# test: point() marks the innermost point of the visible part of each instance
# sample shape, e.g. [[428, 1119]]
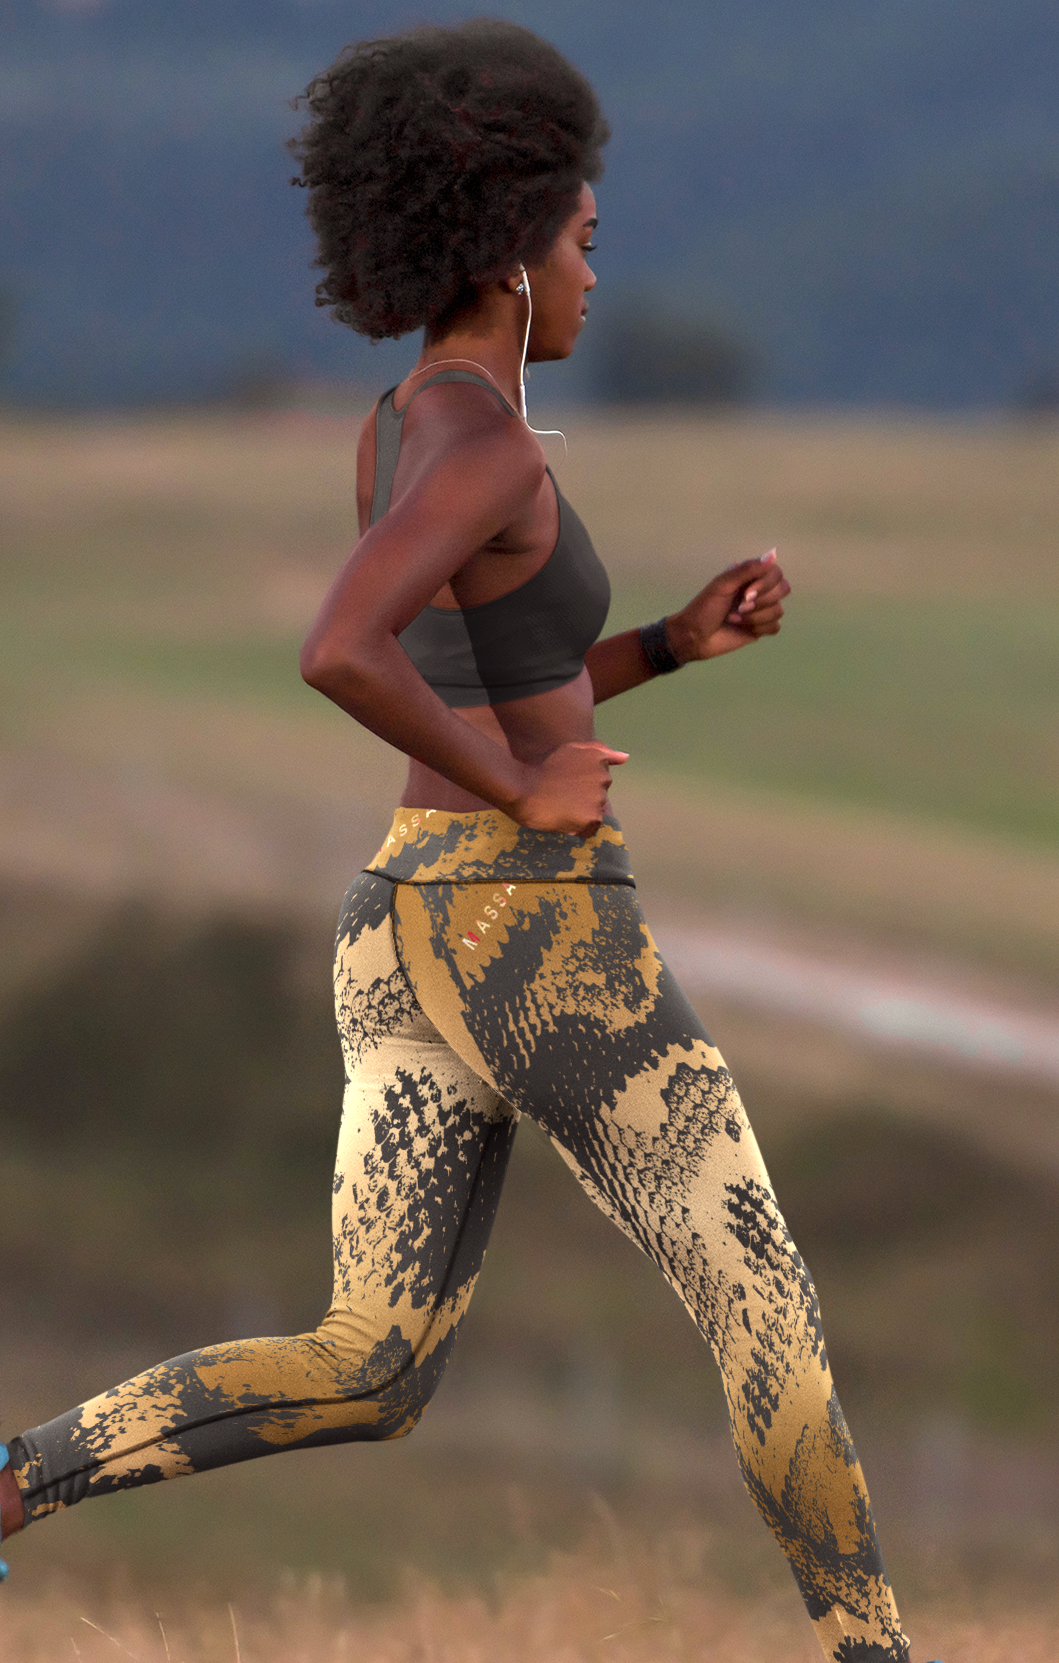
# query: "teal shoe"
[[4, 1461]]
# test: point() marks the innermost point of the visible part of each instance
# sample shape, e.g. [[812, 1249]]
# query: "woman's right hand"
[[567, 792]]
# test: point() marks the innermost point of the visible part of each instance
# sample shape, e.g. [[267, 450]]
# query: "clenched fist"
[[737, 607], [567, 792]]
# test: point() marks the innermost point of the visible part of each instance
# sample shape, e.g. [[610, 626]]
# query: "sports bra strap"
[[389, 424]]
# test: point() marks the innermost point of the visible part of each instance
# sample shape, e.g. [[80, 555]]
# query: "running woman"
[[492, 959]]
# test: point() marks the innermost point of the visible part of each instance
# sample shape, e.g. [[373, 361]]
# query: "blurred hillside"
[[866, 195]]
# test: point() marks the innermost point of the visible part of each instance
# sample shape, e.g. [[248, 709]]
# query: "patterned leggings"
[[481, 970]]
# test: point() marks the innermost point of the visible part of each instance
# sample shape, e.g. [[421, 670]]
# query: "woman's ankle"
[[12, 1512]]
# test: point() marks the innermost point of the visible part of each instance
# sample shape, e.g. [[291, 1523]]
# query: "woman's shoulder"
[[467, 416], [452, 400], [459, 427]]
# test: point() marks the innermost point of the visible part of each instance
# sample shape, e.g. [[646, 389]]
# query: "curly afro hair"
[[437, 160]]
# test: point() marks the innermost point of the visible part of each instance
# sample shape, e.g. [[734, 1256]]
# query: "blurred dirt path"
[[896, 1007]]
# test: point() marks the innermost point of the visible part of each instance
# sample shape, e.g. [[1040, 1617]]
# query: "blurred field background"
[[180, 818]]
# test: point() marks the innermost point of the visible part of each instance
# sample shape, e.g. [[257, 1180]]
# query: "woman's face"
[[558, 286]]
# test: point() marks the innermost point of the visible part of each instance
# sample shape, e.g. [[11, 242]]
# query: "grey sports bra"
[[530, 640]]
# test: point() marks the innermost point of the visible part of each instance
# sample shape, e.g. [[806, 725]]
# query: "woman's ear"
[[517, 281]]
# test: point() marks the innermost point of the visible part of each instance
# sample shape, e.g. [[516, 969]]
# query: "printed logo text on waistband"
[[497, 900], [414, 822]]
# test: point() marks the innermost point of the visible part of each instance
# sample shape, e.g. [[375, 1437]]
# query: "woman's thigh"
[[564, 1004], [422, 1153]]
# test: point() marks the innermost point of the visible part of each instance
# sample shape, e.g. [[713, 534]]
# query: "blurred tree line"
[[8, 329], [650, 353]]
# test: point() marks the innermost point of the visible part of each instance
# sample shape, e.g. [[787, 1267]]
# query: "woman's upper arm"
[[461, 494]]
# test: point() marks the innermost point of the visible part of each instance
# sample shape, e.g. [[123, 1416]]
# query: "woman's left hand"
[[737, 607]]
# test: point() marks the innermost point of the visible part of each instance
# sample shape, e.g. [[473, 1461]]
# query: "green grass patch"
[[38, 676], [260, 668], [948, 712]]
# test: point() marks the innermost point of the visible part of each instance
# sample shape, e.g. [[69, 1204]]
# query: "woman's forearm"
[[620, 663], [380, 688]]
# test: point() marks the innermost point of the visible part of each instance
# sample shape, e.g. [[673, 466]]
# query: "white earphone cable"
[[541, 432]]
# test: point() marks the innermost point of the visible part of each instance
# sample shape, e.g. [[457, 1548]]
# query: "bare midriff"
[[529, 728]]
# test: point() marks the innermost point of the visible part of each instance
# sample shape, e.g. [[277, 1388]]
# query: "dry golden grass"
[[582, 1610], [553, 1621]]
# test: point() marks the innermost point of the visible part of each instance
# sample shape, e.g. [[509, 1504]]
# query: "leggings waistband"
[[429, 845]]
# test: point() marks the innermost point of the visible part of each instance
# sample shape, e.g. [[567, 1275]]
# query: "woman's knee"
[[398, 1379], [402, 1400]]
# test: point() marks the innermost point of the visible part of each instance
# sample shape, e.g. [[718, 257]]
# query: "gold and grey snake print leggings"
[[483, 970]]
